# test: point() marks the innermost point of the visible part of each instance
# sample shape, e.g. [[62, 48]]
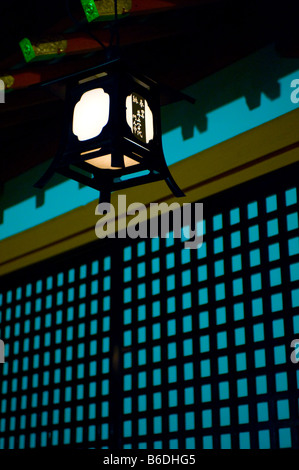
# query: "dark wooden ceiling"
[[177, 42]]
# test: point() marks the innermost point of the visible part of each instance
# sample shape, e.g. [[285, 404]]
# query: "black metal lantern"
[[112, 137]]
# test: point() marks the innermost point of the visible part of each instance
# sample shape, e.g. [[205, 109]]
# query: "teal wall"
[[238, 98]]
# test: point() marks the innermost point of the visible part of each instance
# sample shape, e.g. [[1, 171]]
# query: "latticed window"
[[146, 344]]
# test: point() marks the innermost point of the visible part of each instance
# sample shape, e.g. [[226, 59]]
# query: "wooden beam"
[[132, 33], [154, 6], [79, 44]]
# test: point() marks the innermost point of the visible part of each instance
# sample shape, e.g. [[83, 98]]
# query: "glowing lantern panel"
[[91, 114], [140, 118], [104, 162]]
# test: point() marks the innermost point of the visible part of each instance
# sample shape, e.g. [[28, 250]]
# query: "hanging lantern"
[[112, 137]]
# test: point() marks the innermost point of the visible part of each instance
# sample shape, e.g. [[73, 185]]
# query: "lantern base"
[[109, 183]]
